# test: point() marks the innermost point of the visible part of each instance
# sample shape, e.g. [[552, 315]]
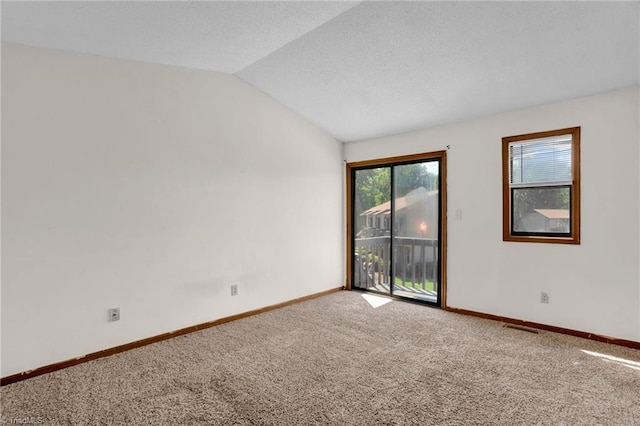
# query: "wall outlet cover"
[[114, 314]]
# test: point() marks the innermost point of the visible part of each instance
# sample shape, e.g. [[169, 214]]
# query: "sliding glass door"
[[396, 228]]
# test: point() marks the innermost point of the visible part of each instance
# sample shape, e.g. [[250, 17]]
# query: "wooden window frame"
[[574, 237]]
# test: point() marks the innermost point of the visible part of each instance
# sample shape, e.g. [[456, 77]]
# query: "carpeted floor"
[[337, 360]]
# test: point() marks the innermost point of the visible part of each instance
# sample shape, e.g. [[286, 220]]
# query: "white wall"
[[593, 287], [152, 188]]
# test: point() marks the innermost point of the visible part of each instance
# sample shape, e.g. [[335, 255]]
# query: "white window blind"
[[540, 162]]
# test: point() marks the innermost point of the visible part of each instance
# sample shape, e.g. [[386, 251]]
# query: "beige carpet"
[[337, 360]]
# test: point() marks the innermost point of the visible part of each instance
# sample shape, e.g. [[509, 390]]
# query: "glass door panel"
[[372, 228], [415, 231]]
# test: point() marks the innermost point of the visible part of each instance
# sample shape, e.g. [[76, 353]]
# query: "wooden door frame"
[[391, 161]]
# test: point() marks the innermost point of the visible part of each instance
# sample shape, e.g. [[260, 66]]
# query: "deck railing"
[[415, 261]]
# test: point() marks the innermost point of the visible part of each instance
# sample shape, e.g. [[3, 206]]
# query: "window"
[[541, 187]]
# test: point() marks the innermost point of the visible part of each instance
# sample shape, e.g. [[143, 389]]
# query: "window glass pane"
[[372, 209], [372, 201], [540, 160], [416, 230], [542, 210]]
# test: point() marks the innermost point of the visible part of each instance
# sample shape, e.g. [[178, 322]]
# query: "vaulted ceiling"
[[363, 69]]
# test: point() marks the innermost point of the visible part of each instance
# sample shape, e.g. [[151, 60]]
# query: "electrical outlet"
[[544, 297], [114, 314], [234, 289]]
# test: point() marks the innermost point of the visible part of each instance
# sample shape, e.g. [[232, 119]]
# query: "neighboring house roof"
[[554, 213], [382, 208], [412, 197]]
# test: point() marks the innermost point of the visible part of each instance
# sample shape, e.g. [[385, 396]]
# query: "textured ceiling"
[[362, 70], [220, 36]]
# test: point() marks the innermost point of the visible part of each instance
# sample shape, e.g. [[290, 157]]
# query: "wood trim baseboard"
[[149, 340], [561, 330]]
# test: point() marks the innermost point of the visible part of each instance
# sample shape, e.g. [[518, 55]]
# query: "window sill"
[[548, 240]]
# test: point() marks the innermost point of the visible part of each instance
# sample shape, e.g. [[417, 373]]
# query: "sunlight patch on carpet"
[[376, 301], [622, 361]]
